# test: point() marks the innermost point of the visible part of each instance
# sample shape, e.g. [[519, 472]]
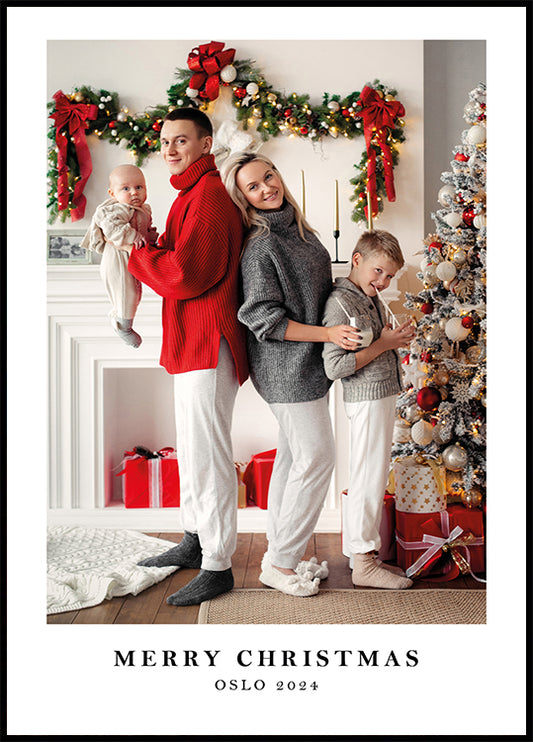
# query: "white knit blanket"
[[88, 565]]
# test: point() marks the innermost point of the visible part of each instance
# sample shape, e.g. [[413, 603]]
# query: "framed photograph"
[[64, 247]]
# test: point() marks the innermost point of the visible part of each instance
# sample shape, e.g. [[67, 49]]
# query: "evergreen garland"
[[273, 113]]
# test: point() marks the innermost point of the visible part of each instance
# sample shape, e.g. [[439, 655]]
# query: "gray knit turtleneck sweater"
[[284, 278]]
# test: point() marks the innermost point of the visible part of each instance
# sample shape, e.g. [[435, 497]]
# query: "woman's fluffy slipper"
[[288, 584], [311, 569]]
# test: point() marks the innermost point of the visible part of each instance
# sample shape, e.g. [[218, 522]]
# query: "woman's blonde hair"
[[254, 222]]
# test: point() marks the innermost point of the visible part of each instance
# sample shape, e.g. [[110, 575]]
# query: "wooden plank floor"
[[150, 607]]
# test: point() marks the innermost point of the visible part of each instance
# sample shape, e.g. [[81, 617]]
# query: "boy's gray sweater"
[[378, 379], [284, 278]]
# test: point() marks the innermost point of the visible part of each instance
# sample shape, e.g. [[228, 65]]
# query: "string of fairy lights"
[[257, 104]]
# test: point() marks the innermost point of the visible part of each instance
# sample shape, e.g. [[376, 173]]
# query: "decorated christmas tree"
[[442, 410]]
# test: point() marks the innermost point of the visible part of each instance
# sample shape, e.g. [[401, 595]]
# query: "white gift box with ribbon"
[[418, 487]]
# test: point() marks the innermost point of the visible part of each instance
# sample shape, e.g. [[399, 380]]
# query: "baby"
[[123, 219]]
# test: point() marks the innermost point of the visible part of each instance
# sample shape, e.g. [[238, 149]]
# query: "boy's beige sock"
[[391, 567], [368, 573]]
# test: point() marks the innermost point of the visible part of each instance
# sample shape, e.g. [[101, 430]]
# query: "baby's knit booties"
[[124, 329], [368, 573]]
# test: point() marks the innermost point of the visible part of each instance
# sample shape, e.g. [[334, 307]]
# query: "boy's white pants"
[[123, 289], [204, 402], [371, 429], [300, 478]]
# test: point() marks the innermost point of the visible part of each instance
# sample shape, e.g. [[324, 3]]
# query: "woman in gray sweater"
[[286, 280]]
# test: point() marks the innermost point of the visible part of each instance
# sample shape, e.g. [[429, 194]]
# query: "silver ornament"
[[454, 457]]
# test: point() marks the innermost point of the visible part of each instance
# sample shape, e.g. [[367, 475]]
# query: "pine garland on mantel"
[[257, 103]]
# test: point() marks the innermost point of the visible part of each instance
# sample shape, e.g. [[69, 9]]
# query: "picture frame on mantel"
[[63, 247]]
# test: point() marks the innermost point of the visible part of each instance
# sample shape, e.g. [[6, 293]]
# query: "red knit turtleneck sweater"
[[195, 269]]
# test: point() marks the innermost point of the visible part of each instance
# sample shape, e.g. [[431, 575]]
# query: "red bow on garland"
[[206, 61], [75, 115], [377, 114]]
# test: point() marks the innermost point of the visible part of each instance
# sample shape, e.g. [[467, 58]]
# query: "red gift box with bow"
[[257, 478], [447, 543], [151, 480]]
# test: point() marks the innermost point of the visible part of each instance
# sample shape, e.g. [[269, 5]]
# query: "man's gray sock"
[[125, 331], [188, 553], [206, 585]]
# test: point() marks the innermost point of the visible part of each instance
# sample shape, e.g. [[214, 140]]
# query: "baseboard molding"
[[249, 520]]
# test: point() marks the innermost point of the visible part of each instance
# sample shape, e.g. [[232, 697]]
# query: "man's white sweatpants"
[[300, 478], [204, 402], [371, 428]]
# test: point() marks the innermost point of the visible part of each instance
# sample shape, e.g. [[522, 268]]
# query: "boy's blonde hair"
[[379, 241], [252, 219]]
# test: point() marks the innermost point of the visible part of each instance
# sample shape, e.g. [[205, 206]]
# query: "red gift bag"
[[257, 478]]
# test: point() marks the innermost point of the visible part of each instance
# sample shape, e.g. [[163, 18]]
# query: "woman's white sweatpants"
[[204, 402], [300, 478], [371, 429]]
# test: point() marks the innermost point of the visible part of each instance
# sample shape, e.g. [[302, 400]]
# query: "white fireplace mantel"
[[82, 348]]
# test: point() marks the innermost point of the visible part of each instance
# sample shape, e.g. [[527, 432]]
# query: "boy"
[[371, 380], [123, 219], [195, 269]]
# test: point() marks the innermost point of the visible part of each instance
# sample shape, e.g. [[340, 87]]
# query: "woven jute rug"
[[265, 606]]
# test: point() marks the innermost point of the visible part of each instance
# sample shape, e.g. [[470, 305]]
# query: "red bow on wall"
[[74, 117], [206, 61], [378, 114]]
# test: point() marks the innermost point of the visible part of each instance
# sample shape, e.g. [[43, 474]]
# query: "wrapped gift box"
[[387, 529], [151, 482], [425, 542], [257, 478], [418, 487]]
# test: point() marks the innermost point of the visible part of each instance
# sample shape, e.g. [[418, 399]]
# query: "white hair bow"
[[230, 138]]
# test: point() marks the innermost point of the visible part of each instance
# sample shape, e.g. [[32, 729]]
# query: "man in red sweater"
[[194, 268]]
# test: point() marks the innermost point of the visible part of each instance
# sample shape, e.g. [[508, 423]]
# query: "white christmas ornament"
[[455, 330], [228, 73], [453, 219], [333, 106], [430, 275], [446, 271], [446, 193], [252, 88], [480, 221], [422, 433], [191, 92], [476, 135]]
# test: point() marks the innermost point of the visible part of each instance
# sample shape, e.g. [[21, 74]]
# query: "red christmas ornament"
[[428, 398], [304, 130], [425, 356], [156, 126], [436, 245], [112, 124], [287, 113], [461, 158], [468, 217], [467, 322], [345, 112], [406, 358], [240, 92], [427, 307], [482, 117]]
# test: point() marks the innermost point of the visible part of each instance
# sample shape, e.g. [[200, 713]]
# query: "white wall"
[[142, 71]]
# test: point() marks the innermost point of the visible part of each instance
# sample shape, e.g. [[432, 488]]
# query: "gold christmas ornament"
[[472, 498], [454, 457], [459, 257], [441, 377], [422, 433]]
